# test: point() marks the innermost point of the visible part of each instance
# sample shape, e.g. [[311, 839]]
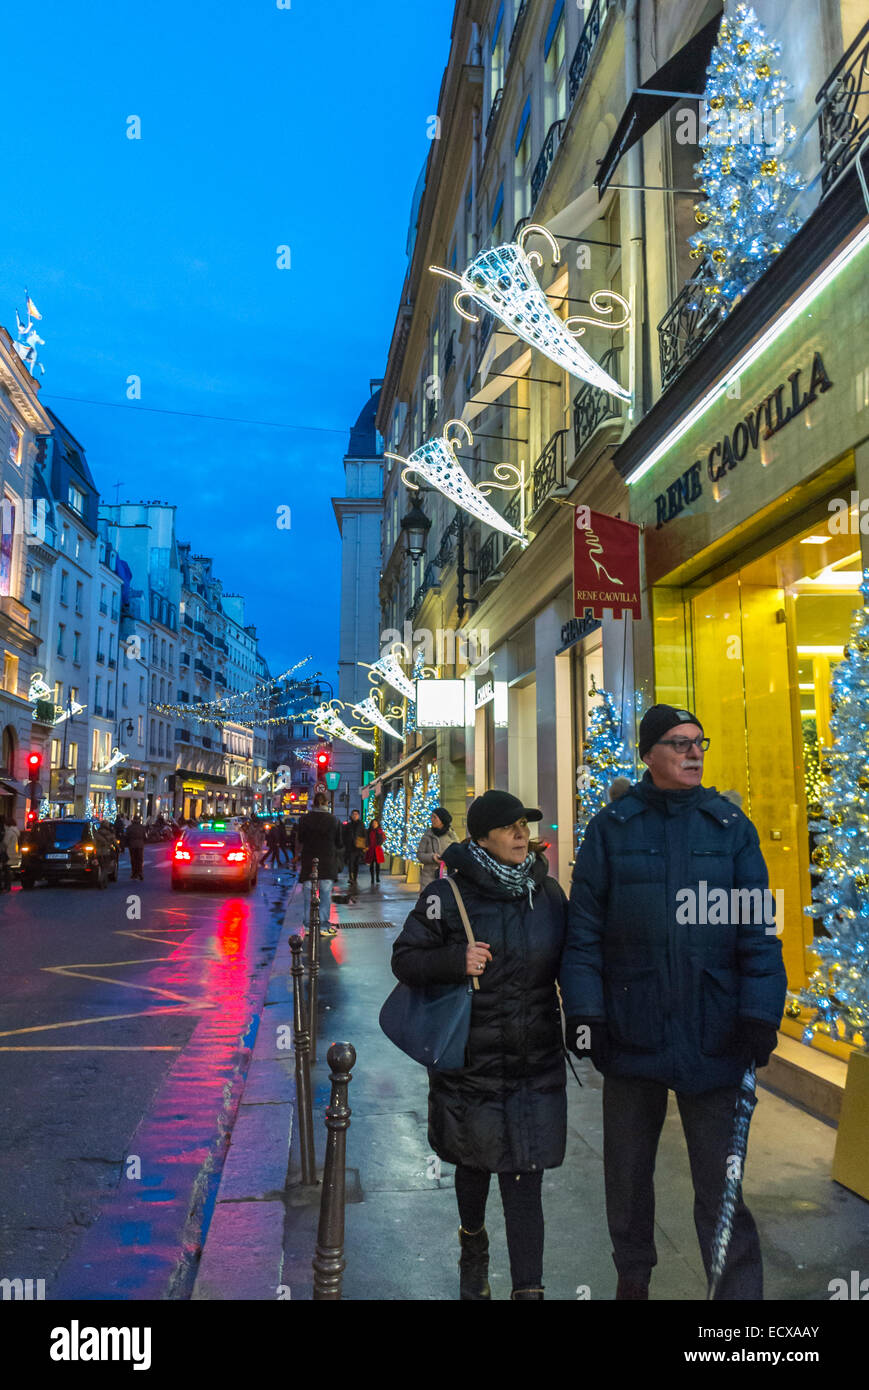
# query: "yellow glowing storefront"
[[754, 558]]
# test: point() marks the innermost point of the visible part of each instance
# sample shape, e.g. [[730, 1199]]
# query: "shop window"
[[753, 655], [10, 673]]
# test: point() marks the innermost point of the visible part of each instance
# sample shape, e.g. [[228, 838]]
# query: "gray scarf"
[[516, 879]]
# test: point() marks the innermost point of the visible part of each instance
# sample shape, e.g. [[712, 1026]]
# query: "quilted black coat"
[[506, 1110]]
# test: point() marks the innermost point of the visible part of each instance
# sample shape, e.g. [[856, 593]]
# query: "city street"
[[126, 1026]]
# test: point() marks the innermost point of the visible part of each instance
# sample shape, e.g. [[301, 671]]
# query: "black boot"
[[526, 1293], [632, 1290], [474, 1266]]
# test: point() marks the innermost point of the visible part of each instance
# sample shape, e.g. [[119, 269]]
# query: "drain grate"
[[350, 925]]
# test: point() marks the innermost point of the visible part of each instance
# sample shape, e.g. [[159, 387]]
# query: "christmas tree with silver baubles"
[[745, 178], [836, 1000], [392, 822], [605, 759]]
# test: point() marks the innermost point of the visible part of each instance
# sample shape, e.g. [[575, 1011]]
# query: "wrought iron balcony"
[[518, 26], [843, 117], [548, 474], [495, 112], [686, 326], [544, 163], [592, 406], [182, 735], [445, 552], [431, 414], [450, 354], [584, 49], [489, 557], [431, 580], [202, 670], [523, 222]]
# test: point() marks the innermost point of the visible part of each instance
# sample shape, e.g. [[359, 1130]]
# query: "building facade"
[[743, 436]]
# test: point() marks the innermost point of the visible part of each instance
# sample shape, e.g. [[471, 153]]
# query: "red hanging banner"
[[606, 565]]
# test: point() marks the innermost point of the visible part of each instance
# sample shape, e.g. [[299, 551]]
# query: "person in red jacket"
[[374, 853]]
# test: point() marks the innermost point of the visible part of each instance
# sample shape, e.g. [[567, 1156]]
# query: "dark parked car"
[[64, 849]]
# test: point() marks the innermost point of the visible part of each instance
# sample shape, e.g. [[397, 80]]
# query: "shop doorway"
[[753, 655]]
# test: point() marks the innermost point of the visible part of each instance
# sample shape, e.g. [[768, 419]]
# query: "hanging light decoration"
[[326, 718], [436, 461], [389, 668], [368, 709], [502, 280]]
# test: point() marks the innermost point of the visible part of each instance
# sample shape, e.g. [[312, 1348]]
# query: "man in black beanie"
[[662, 999]]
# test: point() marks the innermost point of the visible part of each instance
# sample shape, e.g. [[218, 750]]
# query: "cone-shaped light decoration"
[[324, 717], [436, 461], [503, 281], [368, 710], [390, 669]]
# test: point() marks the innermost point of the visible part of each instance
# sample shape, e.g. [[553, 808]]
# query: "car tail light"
[[236, 856], [81, 848], [183, 854]]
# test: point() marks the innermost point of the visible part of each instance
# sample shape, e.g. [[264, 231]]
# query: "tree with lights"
[[417, 820], [392, 822], [836, 1000], [745, 179], [606, 758]]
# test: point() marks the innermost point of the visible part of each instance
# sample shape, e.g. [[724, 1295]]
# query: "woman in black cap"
[[505, 1111], [432, 844]]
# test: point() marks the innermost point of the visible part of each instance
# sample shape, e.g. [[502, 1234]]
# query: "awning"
[[407, 762], [682, 77], [9, 789]]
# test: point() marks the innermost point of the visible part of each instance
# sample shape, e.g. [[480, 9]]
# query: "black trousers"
[[522, 1199], [354, 859], [375, 871], [137, 860], [633, 1116]]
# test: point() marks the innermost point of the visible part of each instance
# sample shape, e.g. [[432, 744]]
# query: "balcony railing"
[[182, 735], [450, 355], [584, 49], [202, 670], [685, 327], [206, 741], [431, 414], [548, 473], [592, 406], [430, 581], [544, 163], [489, 557], [843, 117], [495, 112], [523, 222], [518, 26]]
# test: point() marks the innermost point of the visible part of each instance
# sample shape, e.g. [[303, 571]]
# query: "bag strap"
[[463, 913]]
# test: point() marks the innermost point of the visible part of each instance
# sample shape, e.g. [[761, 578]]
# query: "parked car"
[[68, 849], [218, 856]]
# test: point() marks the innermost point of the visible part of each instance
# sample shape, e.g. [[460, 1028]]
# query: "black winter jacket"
[[670, 989], [319, 837], [506, 1110]]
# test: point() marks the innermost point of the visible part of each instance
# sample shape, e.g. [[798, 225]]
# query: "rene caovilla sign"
[[777, 409]]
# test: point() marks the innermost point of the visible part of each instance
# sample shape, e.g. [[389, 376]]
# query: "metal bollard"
[[329, 1263], [314, 957], [301, 1042]]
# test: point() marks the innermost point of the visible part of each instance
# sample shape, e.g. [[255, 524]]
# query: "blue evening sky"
[[261, 127]]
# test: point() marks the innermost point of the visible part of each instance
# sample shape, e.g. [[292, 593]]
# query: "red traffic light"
[[31, 817], [34, 763], [322, 759]]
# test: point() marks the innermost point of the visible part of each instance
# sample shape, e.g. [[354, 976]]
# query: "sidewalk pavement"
[[401, 1219]]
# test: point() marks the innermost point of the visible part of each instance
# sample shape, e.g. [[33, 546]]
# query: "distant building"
[[360, 517]]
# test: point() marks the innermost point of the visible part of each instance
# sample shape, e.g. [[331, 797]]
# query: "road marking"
[[94, 1047], [76, 972], [105, 1018]]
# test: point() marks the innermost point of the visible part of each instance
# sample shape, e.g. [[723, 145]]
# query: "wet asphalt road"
[[126, 1022]]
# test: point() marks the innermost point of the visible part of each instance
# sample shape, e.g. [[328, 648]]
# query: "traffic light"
[[322, 763], [31, 817], [34, 763]]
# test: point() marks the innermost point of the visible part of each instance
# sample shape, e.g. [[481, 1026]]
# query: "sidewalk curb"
[[243, 1254]]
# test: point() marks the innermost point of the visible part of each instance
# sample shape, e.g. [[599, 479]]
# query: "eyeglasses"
[[684, 745]]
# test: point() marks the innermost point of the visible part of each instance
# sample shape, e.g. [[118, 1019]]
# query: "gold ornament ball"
[[744, 104], [835, 817], [862, 645], [821, 857], [735, 205], [701, 217], [696, 254], [743, 49], [793, 1009], [716, 103], [863, 783], [815, 809], [861, 882], [721, 67], [769, 168], [719, 256], [762, 70]]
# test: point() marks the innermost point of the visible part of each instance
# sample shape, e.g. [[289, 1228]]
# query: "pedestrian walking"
[[119, 828], [355, 844], [11, 852], [134, 838], [273, 843], [505, 1111], [284, 843], [433, 843], [374, 856], [320, 838], [660, 1001]]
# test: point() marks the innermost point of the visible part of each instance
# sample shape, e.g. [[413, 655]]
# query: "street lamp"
[[416, 526], [129, 723]]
